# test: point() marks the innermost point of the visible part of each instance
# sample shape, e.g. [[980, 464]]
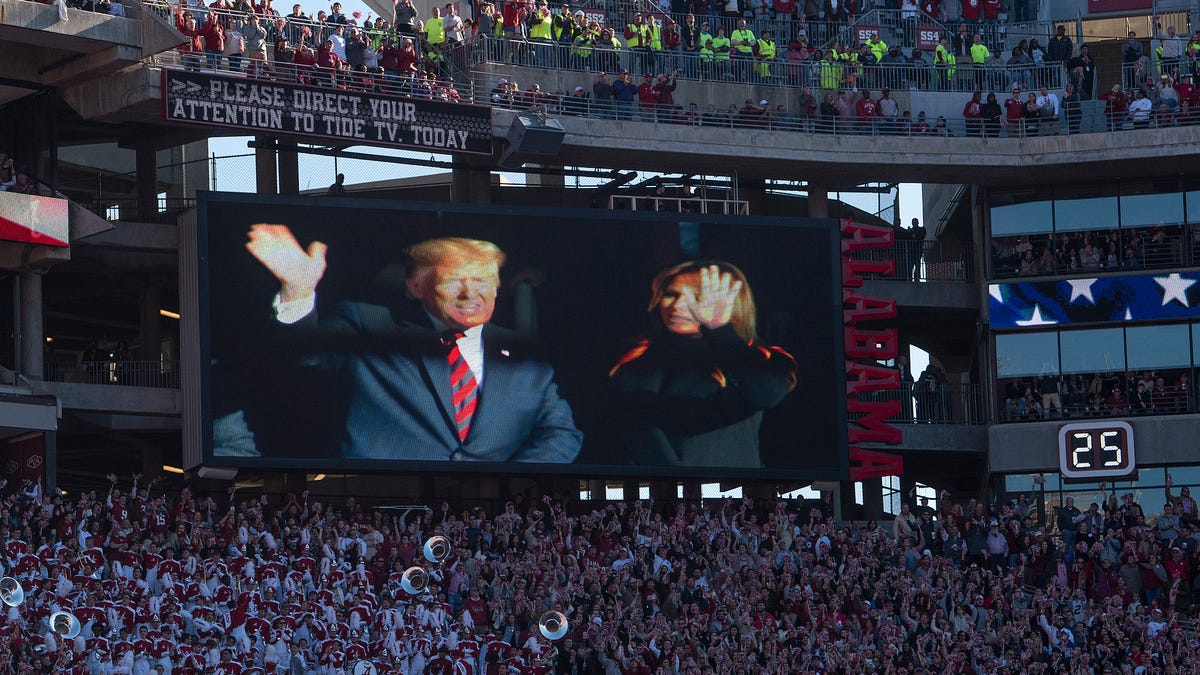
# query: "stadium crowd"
[[1097, 395], [828, 90], [193, 584]]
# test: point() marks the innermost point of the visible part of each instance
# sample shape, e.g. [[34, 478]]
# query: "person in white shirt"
[[338, 39], [452, 24], [1048, 107], [1140, 109]]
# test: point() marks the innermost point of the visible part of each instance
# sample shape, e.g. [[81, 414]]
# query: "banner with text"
[[337, 115]]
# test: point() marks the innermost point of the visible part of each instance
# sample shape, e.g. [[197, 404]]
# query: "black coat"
[[699, 401]]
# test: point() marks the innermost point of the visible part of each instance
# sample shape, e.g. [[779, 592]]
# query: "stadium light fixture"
[[169, 314]]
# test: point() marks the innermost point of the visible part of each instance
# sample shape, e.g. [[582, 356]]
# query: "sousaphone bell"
[[11, 592], [415, 580], [65, 625], [437, 549], [553, 625]]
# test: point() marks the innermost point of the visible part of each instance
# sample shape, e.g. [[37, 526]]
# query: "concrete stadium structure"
[[82, 108]]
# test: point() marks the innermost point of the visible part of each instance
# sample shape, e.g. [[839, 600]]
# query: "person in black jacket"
[[693, 393], [991, 116]]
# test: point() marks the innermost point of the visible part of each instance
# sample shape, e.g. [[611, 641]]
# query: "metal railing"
[[555, 100], [157, 374], [777, 72], [926, 261], [432, 86], [926, 403], [1020, 400], [678, 204]]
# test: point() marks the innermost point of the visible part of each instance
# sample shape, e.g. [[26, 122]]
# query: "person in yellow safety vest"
[[850, 68], [633, 32], [945, 60], [764, 54], [649, 43], [979, 56], [720, 47], [582, 49], [562, 27], [655, 33], [435, 32], [706, 56], [829, 70], [743, 41], [540, 22], [878, 47]]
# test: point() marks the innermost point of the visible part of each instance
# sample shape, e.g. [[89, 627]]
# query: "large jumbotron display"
[[368, 335]]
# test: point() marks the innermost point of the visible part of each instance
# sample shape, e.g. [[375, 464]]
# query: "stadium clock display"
[[1096, 449]]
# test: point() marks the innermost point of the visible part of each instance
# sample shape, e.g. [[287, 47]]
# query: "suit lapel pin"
[[505, 353]]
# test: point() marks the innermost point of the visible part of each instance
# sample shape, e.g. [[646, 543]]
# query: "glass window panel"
[[1020, 354], [1151, 209], [1095, 214], [1193, 206], [1085, 498], [1100, 350], [1151, 501], [1020, 214], [1196, 341], [1154, 347]]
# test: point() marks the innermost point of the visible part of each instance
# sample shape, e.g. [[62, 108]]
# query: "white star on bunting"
[[1081, 288], [1037, 319], [1175, 287]]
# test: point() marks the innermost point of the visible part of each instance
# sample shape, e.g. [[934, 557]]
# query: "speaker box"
[[534, 134]]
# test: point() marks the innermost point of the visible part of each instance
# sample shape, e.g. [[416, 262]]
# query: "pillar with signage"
[[866, 347]]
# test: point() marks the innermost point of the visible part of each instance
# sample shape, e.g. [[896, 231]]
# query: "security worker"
[[562, 27], [720, 47], [743, 41], [764, 54], [945, 60], [979, 56]]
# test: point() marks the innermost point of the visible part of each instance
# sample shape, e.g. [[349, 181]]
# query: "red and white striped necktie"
[[463, 388]]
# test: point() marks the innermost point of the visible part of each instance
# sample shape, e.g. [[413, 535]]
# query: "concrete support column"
[[818, 200], [152, 463], [146, 168], [872, 498], [289, 168], [265, 168], [845, 506], [760, 491], [553, 180], [664, 491], [151, 322], [691, 489], [754, 193], [32, 328], [631, 490], [471, 181], [596, 487], [460, 180]]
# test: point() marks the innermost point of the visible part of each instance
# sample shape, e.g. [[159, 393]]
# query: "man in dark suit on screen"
[[438, 383]]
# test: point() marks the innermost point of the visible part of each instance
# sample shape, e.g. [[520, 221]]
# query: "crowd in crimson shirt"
[[189, 583]]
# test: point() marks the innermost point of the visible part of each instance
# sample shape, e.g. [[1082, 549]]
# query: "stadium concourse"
[[194, 583]]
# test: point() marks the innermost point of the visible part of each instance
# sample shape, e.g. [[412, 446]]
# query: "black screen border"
[[835, 360]]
